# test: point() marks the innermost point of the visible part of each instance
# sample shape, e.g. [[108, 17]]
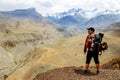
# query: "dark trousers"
[[93, 54]]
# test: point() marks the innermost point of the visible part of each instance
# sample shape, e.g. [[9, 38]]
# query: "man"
[[92, 50]]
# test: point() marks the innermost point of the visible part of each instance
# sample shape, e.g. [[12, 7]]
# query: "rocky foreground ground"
[[76, 73]]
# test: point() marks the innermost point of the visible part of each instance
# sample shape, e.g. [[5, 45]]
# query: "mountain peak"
[[29, 9], [29, 13], [75, 10], [95, 10], [32, 8]]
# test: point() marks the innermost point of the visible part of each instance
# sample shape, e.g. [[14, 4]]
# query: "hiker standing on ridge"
[[92, 50]]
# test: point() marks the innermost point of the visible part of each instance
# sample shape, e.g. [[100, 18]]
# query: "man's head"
[[91, 30]]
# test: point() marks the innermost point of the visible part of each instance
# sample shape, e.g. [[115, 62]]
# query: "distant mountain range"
[[84, 13], [29, 13], [114, 27], [34, 19], [74, 17], [83, 18]]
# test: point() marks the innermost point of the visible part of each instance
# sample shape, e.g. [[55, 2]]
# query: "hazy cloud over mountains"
[[53, 6]]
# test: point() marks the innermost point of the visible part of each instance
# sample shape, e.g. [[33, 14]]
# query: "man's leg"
[[88, 59], [97, 67], [86, 66], [96, 59]]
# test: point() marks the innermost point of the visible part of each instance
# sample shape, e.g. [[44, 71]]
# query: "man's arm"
[[86, 45]]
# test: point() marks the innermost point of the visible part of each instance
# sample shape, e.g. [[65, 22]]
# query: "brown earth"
[[76, 73], [65, 52], [113, 64], [29, 48]]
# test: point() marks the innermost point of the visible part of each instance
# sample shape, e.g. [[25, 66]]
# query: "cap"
[[91, 28]]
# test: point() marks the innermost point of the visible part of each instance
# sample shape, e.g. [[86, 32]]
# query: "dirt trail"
[[77, 73]]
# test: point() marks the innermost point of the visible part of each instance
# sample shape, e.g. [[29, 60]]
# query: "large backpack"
[[98, 40]]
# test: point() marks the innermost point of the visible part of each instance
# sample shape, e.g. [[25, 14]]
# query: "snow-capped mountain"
[[70, 12], [84, 13], [80, 17], [30, 13], [73, 17], [103, 20]]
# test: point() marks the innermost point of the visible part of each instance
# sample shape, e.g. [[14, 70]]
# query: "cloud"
[[53, 6], [14, 4]]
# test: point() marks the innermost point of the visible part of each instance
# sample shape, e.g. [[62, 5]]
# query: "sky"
[[54, 6]]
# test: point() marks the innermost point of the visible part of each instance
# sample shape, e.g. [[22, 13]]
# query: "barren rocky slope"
[[65, 52], [19, 40], [30, 47]]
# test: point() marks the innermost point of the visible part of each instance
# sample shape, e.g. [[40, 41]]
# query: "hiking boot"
[[97, 72], [86, 71]]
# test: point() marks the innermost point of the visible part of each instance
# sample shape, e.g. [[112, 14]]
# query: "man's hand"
[[84, 52]]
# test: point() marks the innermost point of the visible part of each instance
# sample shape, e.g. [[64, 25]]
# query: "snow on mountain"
[[117, 11], [85, 13], [103, 20], [80, 17], [70, 12], [73, 17]]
